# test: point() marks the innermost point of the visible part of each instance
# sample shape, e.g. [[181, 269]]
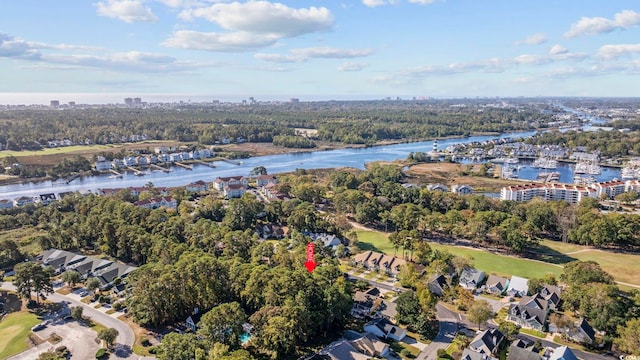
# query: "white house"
[[385, 329], [198, 186], [23, 200], [166, 201], [220, 182], [518, 286], [461, 189], [103, 165]]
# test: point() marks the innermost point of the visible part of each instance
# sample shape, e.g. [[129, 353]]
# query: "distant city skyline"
[[321, 50]]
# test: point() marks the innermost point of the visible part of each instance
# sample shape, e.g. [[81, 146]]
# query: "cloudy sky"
[[322, 49]]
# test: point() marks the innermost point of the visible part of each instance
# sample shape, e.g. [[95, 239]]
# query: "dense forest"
[[346, 122]]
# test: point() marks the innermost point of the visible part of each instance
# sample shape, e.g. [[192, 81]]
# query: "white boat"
[[594, 169], [581, 168], [628, 173]]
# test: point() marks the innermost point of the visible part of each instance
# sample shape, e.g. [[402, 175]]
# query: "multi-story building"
[[549, 191]]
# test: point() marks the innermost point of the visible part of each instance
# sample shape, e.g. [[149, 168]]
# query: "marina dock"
[[156, 167], [136, 172], [209, 164], [188, 167]]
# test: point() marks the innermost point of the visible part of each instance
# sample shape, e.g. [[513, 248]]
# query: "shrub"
[[101, 353], [117, 306], [145, 342]]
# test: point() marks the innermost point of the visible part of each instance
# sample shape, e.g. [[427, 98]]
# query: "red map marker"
[[310, 264]]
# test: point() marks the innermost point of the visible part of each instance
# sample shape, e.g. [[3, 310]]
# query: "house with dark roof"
[[496, 285], [385, 329], [363, 302], [328, 240], [270, 231], [437, 284], [471, 278], [551, 294], [6, 204], [193, 319], [368, 344], [520, 353], [468, 354], [344, 350], [582, 333], [487, 342], [46, 199], [376, 261], [529, 317]]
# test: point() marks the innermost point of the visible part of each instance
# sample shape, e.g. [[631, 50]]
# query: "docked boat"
[[581, 168], [628, 173]]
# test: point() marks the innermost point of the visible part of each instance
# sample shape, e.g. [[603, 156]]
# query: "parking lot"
[[74, 336]]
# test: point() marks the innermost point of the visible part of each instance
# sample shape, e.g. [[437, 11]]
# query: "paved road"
[[448, 329], [125, 339]]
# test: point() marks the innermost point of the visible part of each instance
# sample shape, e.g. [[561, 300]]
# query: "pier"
[[209, 164], [73, 178], [156, 167], [234, 162], [188, 167], [136, 172], [115, 174]]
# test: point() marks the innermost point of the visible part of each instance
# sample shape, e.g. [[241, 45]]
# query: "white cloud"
[[422, 2], [237, 41], [609, 52], [352, 66], [303, 54], [527, 59], [265, 18], [598, 25], [535, 39], [376, 3], [128, 11], [558, 50]]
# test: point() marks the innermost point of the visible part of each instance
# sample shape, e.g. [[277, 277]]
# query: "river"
[[352, 157]]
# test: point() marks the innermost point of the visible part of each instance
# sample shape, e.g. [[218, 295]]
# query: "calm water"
[[356, 158]]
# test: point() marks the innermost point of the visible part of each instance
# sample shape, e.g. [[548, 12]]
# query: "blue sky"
[[321, 49]]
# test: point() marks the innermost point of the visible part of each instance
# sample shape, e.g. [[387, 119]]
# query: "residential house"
[[385, 329], [263, 180], [376, 261], [193, 320], [108, 275], [526, 316], [117, 164], [344, 350], [496, 285], [220, 182], [562, 353], [6, 204], [520, 353], [367, 343], [437, 187], [437, 284], [103, 165], [582, 333], [518, 286], [329, 240], [468, 354], [271, 192], [487, 342], [46, 199], [155, 203], [232, 191], [270, 231], [460, 189], [23, 200], [471, 278], [363, 302], [198, 186], [551, 294]]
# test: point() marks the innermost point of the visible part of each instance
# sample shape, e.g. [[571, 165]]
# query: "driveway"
[[448, 329]]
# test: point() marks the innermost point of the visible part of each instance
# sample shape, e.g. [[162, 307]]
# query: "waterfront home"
[[198, 186], [103, 165], [437, 187], [46, 199], [155, 203], [460, 189], [263, 180], [234, 191], [220, 182], [23, 200], [6, 204]]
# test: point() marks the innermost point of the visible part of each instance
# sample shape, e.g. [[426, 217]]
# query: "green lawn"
[[375, 241], [623, 267], [14, 330], [501, 264]]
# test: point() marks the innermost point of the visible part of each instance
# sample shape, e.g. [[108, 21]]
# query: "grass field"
[[14, 330], [483, 260], [53, 151], [623, 267]]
